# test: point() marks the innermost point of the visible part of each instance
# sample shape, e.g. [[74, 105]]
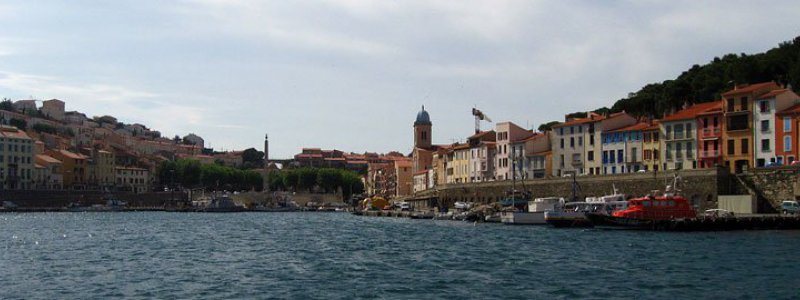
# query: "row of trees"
[[191, 173], [706, 83], [326, 180]]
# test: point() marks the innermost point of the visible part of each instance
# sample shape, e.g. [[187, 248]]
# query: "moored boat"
[[646, 211], [535, 212]]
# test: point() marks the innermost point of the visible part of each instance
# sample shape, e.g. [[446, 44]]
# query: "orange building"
[[738, 119], [786, 137]]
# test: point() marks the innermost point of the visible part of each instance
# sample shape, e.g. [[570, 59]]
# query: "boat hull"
[[523, 218], [567, 219], [620, 222]]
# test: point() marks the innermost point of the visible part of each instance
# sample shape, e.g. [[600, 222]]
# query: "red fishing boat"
[[646, 211]]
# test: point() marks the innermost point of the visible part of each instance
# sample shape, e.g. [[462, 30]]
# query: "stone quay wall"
[[58, 199], [771, 186], [701, 187]]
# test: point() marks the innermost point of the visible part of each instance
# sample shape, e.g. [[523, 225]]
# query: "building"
[[100, 168], [74, 168], [191, 138], [537, 163], [53, 109], [510, 149], [709, 136], [679, 142], [50, 175], [16, 159], [131, 179], [25, 107], [764, 123], [623, 149], [422, 154], [786, 134], [458, 164], [738, 124], [569, 152], [482, 156]]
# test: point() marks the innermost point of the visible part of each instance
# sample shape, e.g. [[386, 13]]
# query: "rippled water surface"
[[337, 255]]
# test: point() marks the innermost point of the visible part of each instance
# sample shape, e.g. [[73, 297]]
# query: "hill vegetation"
[[706, 83]]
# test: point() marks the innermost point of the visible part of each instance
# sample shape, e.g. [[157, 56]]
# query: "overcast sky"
[[353, 74]]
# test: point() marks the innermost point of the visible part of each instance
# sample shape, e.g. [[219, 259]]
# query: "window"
[[731, 146], [678, 150], [743, 103], [787, 143], [689, 150], [745, 145], [605, 157], [580, 140], [678, 131], [562, 143], [730, 104], [611, 157], [688, 130], [668, 133], [647, 137], [787, 124], [764, 125], [763, 106], [669, 152], [655, 136], [765, 145], [571, 129], [620, 156], [572, 142], [591, 139], [580, 129], [633, 155], [561, 131], [590, 156]]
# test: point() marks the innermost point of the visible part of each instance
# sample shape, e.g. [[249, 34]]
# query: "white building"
[[764, 123], [132, 179]]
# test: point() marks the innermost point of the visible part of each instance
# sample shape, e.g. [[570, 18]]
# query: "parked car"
[[790, 207], [718, 213], [773, 164]]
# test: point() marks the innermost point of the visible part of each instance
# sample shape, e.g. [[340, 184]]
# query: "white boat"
[[535, 213], [574, 213]]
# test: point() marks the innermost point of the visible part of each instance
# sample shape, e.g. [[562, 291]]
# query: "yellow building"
[[651, 147], [100, 170], [132, 179], [73, 168], [16, 159], [460, 163]]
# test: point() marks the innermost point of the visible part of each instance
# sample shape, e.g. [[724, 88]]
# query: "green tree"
[[7, 105], [329, 179]]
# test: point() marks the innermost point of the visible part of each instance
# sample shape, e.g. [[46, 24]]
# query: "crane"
[[479, 116]]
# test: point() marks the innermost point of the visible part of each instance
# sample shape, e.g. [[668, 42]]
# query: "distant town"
[[752, 126]]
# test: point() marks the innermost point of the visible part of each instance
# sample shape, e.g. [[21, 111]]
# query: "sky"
[[352, 74]]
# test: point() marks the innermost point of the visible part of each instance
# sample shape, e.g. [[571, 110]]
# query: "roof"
[[480, 134], [715, 109], [791, 110], [423, 118], [690, 112], [529, 134], [656, 125], [13, 132], [773, 94], [635, 127], [47, 159], [71, 155], [460, 147], [746, 89], [402, 163]]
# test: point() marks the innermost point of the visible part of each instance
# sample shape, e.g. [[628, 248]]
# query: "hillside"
[[705, 83]]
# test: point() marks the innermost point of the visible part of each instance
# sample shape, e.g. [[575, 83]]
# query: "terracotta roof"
[[578, 121], [529, 134], [335, 158], [402, 163], [635, 127], [536, 136], [773, 94], [460, 147], [655, 126], [47, 158], [13, 132], [690, 112], [71, 155], [358, 162], [791, 110], [715, 109], [746, 89], [480, 134]]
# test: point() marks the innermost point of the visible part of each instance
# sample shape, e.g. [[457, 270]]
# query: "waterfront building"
[[567, 144], [53, 109], [404, 177], [764, 123], [482, 156], [738, 119], [709, 136], [440, 165], [423, 180], [132, 179], [538, 156], [459, 164], [509, 148], [100, 168], [679, 142], [73, 168], [786, 134], [16, 159], [623, 149], [50, 175]]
